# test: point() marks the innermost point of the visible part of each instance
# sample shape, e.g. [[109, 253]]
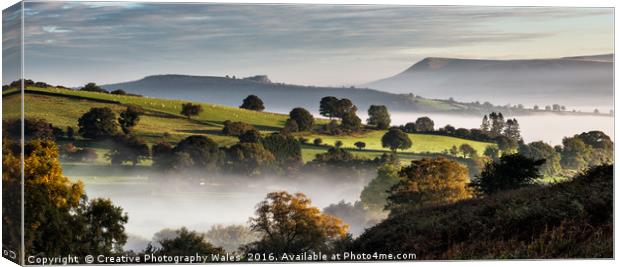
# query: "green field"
[[162, 122], [420, 142]]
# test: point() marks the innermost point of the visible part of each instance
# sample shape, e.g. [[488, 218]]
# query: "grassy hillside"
[[420, 142], [162, 121], [563, 220]]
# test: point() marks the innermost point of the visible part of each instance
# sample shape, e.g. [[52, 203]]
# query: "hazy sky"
[[72, 43]]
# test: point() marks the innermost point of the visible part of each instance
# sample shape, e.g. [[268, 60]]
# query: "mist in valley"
[[550, 128], [154, 204]]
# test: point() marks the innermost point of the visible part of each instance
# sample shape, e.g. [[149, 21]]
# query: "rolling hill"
[[278, 97], [162, 121], [577, 82]]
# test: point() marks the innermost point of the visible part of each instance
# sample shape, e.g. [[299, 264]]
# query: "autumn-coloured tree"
[[59, 220], [288, 223], [429, 181]]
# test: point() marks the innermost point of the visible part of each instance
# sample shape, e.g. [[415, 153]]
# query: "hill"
[[560, 221], [583, 81], [278, 97], [162, 121]]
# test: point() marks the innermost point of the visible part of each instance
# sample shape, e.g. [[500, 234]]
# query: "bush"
[[118, 92], [317, 141], [236, 128], [563, 220]]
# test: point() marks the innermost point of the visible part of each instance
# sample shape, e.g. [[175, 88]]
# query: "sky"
[[72, 43]]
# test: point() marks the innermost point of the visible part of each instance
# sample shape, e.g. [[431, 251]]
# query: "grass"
[[162, 122], [420, 142]]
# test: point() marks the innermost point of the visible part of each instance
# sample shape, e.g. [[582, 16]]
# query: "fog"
[[550, 128], [153, 205]]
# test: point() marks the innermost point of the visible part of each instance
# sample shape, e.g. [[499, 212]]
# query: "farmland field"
[[162, 122]]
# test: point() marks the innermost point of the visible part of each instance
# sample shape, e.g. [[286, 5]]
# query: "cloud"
[[217, 34], [54, 29]]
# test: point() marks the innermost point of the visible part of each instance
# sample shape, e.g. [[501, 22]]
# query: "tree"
[[497, 123], [374, 195], [317, 141], [467, 150], [342, 107], [429, 181], [505, 144], [285, 148], [203, 151], [351, 122], [485, 126], [162, 154], [424, 124], [98, 123], [601, 145], [33, 129], [103, 226], [253, 102], [327, 106], [379, 117], [454, 151], [492, 152], [511, 129], [129, 118], [395, 139], [289, 223], [186, 243], [409, 127], [230, 237], [251, 159], [360, 145], [93, 87], [597, 139], [251, 136], [128, 148], [303, 118], [59, 219], [189, 110], [236, 128], [290, 126], [338, 144], [536, 107], [575, 153], [510, 172], [540, 150]]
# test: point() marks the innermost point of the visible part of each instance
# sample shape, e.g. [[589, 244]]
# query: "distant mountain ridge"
[[277, 96], [571, 81]]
